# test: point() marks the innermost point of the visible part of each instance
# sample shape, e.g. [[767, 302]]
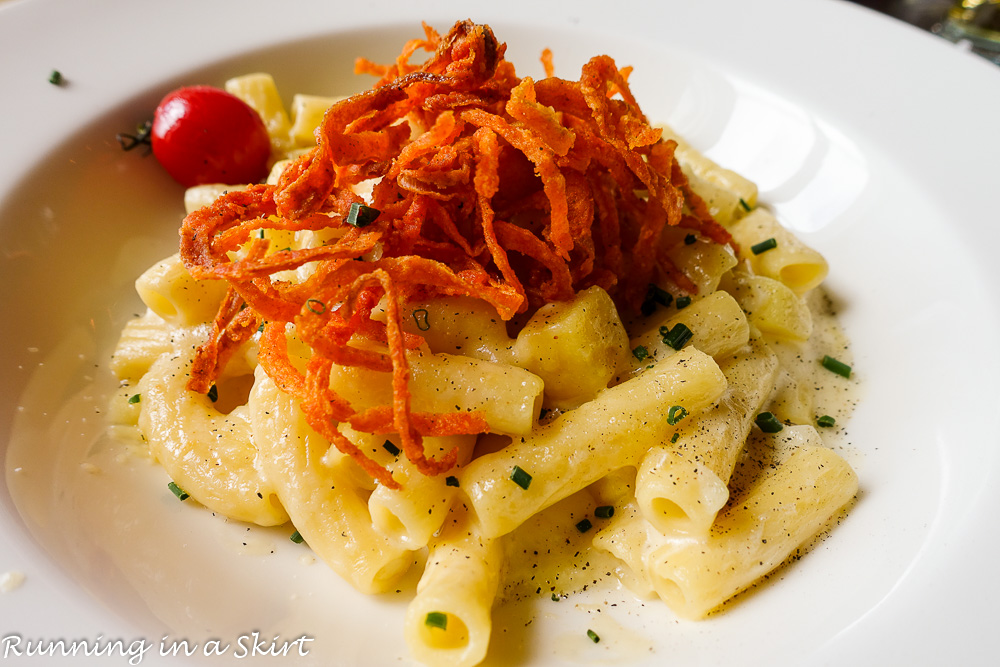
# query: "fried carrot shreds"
[[234, 325], [548, 63], [402, 64], [506, 189]]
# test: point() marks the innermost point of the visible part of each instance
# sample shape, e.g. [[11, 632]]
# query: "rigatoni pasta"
[[210, 454], [465, 300], [601, 436], [320, 492], [449, 621], [683, 483], [755, 535], [789, 261]]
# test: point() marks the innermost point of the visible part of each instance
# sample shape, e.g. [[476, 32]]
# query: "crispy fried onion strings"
[[514, 191]]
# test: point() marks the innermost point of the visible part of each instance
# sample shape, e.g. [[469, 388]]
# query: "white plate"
[[870, 138]]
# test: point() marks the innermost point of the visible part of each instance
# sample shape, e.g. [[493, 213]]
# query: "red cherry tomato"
[[205, 135]]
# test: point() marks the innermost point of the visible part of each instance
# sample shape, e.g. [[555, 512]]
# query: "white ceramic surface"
[[868, 137]]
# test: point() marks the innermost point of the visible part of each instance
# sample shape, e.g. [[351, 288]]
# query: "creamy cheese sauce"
[[97, 501]]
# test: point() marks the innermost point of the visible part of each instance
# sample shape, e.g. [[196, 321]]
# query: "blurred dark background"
[[925, 14], [976, 28]]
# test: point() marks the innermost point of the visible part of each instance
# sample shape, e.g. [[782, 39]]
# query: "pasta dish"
[[466, 302]]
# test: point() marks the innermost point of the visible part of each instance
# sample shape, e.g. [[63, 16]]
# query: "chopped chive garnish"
[[391, 448], [640, 352], [555, 598], [746, 206], [260, 329], [451, 480], [604, 512], [178, 491], [260, 233], [660, 295], [520, 477], [593, 636], [676, 337], [768, 423], [316, 306], [763, 246], [213, 393], [689, 239], [361, 215], [56, 78], [674, 437], [584, 525], [655, 295], [675, 414], [420, 317], [297, 537], [436, 619], [826, 421], [838, 367], [135, 398], [683, 302]]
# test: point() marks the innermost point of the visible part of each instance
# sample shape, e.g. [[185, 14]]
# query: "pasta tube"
[[145, 339], [328, 509], [721, 189], [703, 263], [755, 535], [581, 446], [207, 453], [169, 291], [629, 537], [771, 306], [412, 514], [790, 260], [718, 328], [448, 623], [575, 346], [508, 397], [460, 325], [681, 486]]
